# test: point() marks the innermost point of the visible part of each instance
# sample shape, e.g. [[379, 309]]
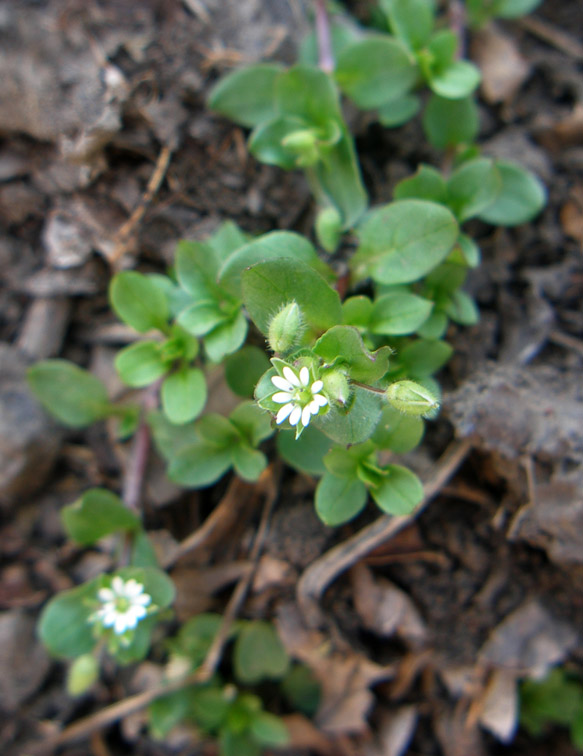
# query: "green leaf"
[[184, 395], [259, 654], [398, 432], [197, 267], [375, 71], [343, 345], [307, 93], [411, 20], [270, 285], [143, 552], [473, 187], [342, 33], [226, 338], [521, 198], [269, 730], [247, 96], [456, 80], [426, 184], [168, 711], [227, 239], [470, 250], [400, 491], [356, 423], [244, 368], [141, 364], [238, 744], [339, 500], [155, 581], [170, 439], [448, 123], [271, 246], [200, 464], [201, 317], [422, 358], [302, 689], [397, 112], [399, 314], [462, 309], [248, 463], [515, 8], [343, 463], [252, 422], [356, 311], [64, 626], [266, 142], [139, 302], [73, 395], [401, 242], [82, 674], [209, 706], [328, 228], [96, 514], [434, 327], [306, 452]]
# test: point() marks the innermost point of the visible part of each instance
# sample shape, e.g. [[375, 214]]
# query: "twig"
[[553, 36], [325, 56], [136, 471], [219, 522], [457, 23], [123, 235], [563, 339], [213, 657], [328, 567]]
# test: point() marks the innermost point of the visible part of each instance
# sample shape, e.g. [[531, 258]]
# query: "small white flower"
[[300, 400], [123, 605]]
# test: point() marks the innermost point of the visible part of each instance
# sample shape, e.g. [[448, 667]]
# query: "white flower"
[[300, 399], [124, 605]]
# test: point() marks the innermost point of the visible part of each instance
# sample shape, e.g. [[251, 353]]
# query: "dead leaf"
[[567, 132], [196, 587], [529, 641], [303, 734], [455, 737], [23, 660], [499, 705], [345, 677], [394, 732], [504, 69], [572, 214], [271, 573], [385, 609]]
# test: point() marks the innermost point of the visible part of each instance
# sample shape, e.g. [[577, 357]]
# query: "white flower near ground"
[[124, 605], [299, 398]]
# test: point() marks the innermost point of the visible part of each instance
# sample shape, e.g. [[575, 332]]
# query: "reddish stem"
[[325, 57], [135, 474]]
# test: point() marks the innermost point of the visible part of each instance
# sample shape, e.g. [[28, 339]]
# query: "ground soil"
[[95, 99]]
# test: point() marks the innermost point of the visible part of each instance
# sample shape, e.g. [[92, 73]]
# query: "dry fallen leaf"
[[395, 730], [572, 214], [499, 705], [385, 609], [504, 69]]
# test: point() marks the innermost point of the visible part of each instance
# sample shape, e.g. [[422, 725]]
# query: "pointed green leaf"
[[448, 123], [473, 187], [141, 364], [226, 337], [520, 199], [426, 184], [411, 20], [308, 93], [73, 395], [399, 314]]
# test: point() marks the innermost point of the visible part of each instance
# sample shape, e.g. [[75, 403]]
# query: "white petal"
[[281, 383], [314, 408], [306, 415], [320, 400], [105, 594], [133, 588], [117, 585], [304, 376], [110, 618], [121, 624], [295, 415], [317, 386], [281, 397], [284, 413], [143, 600], [291, 376], [138, 612]]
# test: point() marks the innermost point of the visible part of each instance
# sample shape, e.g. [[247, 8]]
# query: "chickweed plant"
[[344, 381]]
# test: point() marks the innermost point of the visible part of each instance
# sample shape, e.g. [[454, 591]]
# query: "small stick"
[[325, 57], [136, 471], [557, 38], [328, 567], [123, 235]]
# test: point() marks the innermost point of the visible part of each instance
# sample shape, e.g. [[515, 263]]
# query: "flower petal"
[[281, 383], [306, 415], [120, 625], [291, 376], [317, 386], [320, 400], [117, 585], [295, 415], [304, 376], [281, 397], [105, 594], [284, 413]]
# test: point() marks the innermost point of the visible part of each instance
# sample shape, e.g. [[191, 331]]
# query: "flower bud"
[[329, 228], [336, 387], [82, 674], [304, 143], [286, 328], [411, 398]]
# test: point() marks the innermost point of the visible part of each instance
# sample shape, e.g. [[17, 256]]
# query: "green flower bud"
[[329, 228], [82, 674], [304, 143], [286, 328], [411, 398], [336, 386]]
